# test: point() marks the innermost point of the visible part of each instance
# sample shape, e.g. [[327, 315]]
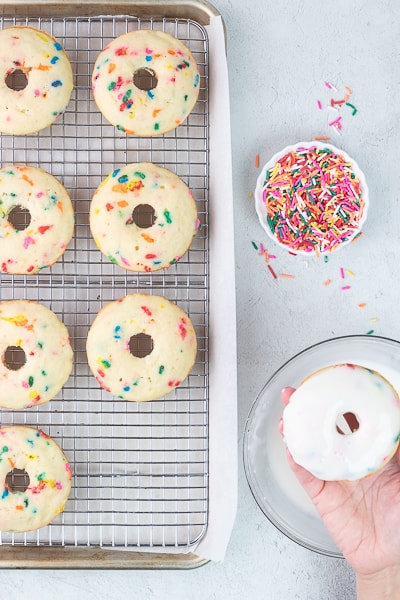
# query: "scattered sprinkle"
[[337, 123], [327, 282], [354, 110], [322, 138], [357, 236], [254, 246], [286, 275], [346, 287], [342, 272], [349, 273], [257, 161], [250, 194], [373, 319], [337, 104], [362, 305], [272, 272], [370, 332]]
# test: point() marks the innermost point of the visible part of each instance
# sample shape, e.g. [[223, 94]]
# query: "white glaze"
[[309, 422]]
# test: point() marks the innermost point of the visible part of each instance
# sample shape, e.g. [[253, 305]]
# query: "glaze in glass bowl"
[[272, 483]]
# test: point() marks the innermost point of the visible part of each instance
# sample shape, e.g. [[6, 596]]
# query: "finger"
[[286, 393]]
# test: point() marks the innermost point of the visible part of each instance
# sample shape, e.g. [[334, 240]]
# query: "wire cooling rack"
[[140, 469]]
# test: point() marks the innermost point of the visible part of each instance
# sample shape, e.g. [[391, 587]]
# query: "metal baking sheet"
[[140, 469]]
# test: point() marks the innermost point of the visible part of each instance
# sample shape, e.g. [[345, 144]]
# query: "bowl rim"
[[260, 205]]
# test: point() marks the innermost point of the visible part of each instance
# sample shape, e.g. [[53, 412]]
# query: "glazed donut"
[[36, 219], [36, 479], [36, 356], [115, 217], [342, 422], [39, 57], [141, 107], [141, 347]]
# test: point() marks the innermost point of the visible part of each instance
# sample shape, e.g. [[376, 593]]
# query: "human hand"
[[363, 519]]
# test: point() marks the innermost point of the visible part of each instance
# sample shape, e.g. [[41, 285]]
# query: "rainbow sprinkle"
[[337, 124], [337, 105], [313, 200], [353, 108]]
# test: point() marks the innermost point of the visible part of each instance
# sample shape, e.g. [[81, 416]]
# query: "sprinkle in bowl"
[[311, 198]]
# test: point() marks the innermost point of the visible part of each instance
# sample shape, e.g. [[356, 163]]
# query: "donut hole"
[[143, 216], [16, 80], [17, 480], [347, 423], [19, 217], [141, 345], [145, 79], [14, 358]]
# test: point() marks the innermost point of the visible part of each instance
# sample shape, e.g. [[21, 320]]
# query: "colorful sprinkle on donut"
[[145, 82], [49, 80], [36, 219], [143, 217], [44, 479], [31, 336], [140, 347]]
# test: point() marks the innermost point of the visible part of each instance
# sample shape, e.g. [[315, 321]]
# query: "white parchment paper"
[[223, 366]]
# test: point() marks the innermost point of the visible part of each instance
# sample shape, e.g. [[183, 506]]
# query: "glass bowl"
[[272, 483], [298, 212]]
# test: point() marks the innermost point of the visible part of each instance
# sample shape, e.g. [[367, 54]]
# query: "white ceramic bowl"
[[261, 207], [273, 484]]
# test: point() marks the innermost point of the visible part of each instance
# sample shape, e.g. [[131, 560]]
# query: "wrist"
[[384, 585]]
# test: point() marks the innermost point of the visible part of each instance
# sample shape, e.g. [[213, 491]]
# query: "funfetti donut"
[[35, 479], [40, 61], [143, 217], [35, 354], [145, 82], [141, 347], [342, 422], [36, 219]]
